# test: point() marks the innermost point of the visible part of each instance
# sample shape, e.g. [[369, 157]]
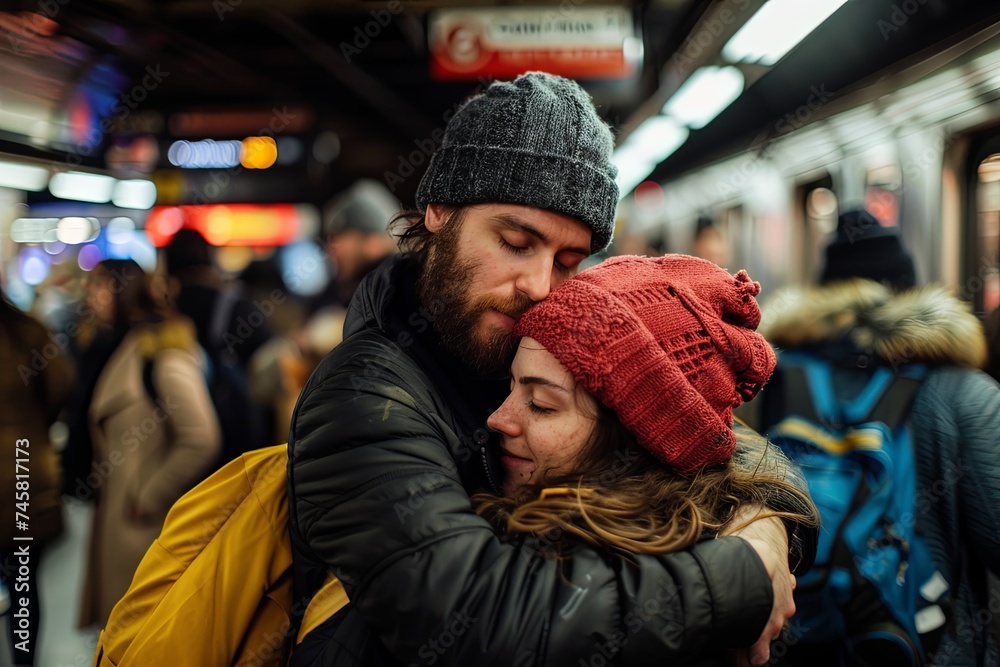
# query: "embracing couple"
[[548, 473]]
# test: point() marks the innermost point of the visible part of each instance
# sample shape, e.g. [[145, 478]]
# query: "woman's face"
[[545, 423]]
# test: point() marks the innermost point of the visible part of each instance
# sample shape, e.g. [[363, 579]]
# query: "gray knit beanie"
[[536, 141]]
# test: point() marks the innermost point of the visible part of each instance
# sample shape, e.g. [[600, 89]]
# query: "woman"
[[154, 430], [618, 429], [36, 383]]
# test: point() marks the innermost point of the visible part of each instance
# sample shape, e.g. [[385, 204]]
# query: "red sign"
[[226, 224], [583, 42]]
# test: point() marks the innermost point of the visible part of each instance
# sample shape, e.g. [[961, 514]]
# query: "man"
[[230, 330], [200, 293], [355, 239], [389, 436], [869, 314]]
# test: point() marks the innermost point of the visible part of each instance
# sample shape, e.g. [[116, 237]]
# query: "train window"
[[882, 187], [820, 222], [988, 223]]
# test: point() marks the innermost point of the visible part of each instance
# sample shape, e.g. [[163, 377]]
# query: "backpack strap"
[[894, 405]]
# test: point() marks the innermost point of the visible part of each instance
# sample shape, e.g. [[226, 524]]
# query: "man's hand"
[[769, 539]]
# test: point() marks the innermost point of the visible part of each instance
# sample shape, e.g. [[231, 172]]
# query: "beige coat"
[[147, 454]]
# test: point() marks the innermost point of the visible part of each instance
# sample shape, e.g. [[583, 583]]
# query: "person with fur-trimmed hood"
[[869, 312]]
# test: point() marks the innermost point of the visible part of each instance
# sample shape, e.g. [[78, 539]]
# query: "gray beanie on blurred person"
[[366, 207], [536, 141]]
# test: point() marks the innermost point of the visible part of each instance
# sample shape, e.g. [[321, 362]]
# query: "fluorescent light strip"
[[704, 95], [23, 176], [134, 194], [777, 28], [79, 186]]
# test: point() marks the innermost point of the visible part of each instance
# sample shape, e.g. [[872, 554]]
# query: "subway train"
[[918, 146]]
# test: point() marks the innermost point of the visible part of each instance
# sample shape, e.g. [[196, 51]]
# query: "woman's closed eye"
[[537, 409]]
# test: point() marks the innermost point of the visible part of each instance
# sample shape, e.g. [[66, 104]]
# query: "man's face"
[[490, 266]]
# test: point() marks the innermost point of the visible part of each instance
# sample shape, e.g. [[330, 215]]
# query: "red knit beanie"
[[669, 344]]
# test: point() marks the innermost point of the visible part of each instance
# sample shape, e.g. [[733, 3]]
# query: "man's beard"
[[447, 279]]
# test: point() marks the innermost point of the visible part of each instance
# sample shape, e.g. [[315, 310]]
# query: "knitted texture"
[[863, 248], [536, 141], [669, 344]]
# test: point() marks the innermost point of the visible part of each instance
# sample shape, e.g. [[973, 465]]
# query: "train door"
[[814, 219]]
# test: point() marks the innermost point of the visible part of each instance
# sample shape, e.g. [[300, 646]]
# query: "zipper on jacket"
[[481, 437]]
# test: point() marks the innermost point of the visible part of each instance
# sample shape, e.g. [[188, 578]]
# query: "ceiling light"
[[74, 230], [776, 28], [657, 138], [136, 193], [705, 95], [23, 176], [79, 186]]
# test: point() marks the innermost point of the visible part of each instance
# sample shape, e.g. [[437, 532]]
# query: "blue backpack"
[[873, 590]]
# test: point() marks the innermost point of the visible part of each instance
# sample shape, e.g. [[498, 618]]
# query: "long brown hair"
[[624, 499]]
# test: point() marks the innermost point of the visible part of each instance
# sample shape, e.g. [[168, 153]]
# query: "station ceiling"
[[262, 54]]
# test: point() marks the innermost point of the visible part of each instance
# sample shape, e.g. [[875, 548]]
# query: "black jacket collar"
[[387, 300]]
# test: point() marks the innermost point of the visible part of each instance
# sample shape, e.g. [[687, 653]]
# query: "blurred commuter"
[[36, 383], [263, 284], [868, 315], [355, 239], [646, 243], [710, 243], [580, 407], [230, 330], [155, 434], [389, 436], [224, 318], [96, 339]]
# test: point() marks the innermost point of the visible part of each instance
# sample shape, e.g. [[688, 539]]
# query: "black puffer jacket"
[[380, 470]]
